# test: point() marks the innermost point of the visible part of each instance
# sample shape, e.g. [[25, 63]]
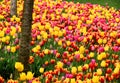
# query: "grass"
[[111, 3]]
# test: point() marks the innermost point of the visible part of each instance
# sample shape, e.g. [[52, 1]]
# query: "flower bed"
[[71, 43]]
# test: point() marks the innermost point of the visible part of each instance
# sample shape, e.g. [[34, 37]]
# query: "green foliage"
[[7, 67], [111, 3]]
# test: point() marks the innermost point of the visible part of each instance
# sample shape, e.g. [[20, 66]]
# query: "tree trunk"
[[13, 9], [25, 38]]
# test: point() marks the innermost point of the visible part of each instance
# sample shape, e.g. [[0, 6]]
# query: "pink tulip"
[[95, 28], [80, 38], [34, 35], [92, 48], [93, 61], [69, 76], [16, 41], [119, 48], [77, 56], [115, 48], [38, 32], [33, 31], [63, 78], [101, 49], [75, 38], [54, 52], [7, 31], [68, 63], [8, 19], [105, 28]]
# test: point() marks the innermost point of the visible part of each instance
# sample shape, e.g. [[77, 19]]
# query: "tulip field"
[[71, 43]]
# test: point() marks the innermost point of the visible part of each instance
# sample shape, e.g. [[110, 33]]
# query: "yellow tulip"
[[79, 68], [99, 57], [45, 35], [88, 81], [38, 47], [47, 26], [67, 80], [0, 46], [79, 81], [117, 19], [64, 15], [104, 41], [100, 41], [95, 79], [84, 40], [56, 28], [22, 76], [64, 31], [70, 28], [29, 75], [46, 51], [92, 54], [60, 33], [41, 27], [86, 66], [74, 70], [34, 81], [19, 66], [12, 33], [8, 47], [84, 30], [68, 43], [103, 55], [81, 56], [35, 50], [88, 22], [2, 33], [4, 29], [60, 42], [106, 48], [81, 49], [117, 65], [19, 29], [1, 17], [102, 33], [7, 38], [73, 80], [116, 70], [41, 70], [103, 63], [38, 37], [118, 41], [113, 34], [56, 33], [99, 71], [14, 16], [3, 39], [90, 37], [13, 49], [17, 19], [59, 64]]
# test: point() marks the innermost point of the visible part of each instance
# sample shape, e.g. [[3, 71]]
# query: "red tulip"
[[109, 70], [52, 61], [32, 42], [102, 79]]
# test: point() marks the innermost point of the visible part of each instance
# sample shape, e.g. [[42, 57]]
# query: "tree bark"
[[25, 38], [13, 9]]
